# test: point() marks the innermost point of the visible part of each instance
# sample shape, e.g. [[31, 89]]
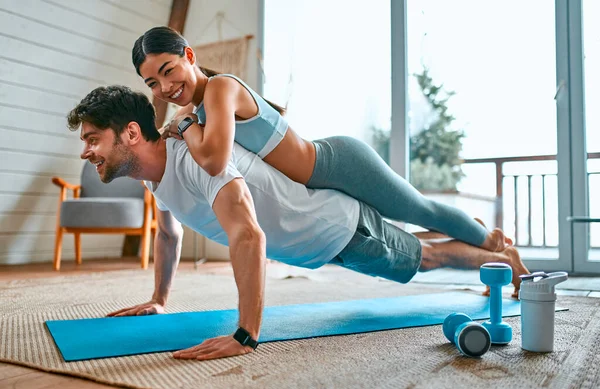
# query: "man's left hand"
[[221, 347]]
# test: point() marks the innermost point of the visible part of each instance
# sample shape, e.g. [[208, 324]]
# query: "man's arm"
[[167, 250], [234, 209]]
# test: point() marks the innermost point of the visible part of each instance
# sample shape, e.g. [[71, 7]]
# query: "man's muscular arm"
[[234, 209]]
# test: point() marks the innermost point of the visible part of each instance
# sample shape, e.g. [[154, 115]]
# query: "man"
[[252, 208]]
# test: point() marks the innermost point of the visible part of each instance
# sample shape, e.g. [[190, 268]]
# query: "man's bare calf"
[[458, 255]]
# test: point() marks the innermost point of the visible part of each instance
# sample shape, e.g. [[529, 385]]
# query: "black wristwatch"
[[184, 124], [243, 336]]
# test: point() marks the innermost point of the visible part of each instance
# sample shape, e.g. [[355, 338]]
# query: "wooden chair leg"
[[145, 249], [78, 248], [58, 247]]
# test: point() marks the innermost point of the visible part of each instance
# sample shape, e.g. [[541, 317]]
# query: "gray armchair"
[[123, 206]]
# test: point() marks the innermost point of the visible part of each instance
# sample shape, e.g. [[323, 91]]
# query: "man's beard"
[[128, 164]]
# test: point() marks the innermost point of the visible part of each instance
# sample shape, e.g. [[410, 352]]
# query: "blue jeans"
[[353, 167], [380, 249]]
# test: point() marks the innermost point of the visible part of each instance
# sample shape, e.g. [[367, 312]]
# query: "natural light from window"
[[329, 61]]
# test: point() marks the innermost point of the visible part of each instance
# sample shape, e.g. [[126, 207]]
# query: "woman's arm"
[[211, 145], [170, 129]]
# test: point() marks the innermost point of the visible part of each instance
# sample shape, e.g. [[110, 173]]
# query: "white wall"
[[241, 18], [53, 52]]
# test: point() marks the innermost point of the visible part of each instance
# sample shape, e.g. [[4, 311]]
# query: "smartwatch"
[[243, 336], [184, 125]]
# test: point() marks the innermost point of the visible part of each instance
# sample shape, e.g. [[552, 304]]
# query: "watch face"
[[184, 124], [244, 338]]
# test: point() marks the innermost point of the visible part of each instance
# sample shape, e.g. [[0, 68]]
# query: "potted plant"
[[435, 163], [435, 148]]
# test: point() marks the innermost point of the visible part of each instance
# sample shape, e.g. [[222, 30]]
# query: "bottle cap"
[[539, 286]]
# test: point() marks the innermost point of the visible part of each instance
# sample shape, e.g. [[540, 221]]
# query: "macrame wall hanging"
[[224, 56]]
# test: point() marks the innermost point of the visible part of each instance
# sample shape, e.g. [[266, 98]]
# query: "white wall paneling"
[[53, 53]]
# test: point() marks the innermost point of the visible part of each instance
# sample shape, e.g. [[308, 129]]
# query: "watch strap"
[[244, 338], [184, 124]]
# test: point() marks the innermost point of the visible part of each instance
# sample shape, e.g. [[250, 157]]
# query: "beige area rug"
[[406, 358]]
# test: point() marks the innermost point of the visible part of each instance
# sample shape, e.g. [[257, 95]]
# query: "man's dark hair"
[[114, 107]]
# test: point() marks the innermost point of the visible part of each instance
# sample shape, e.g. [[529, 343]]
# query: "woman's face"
[[170, 77]]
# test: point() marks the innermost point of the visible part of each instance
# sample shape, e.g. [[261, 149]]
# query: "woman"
[[227, 110]]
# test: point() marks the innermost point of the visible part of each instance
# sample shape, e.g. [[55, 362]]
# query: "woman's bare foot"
[[495, 241], [518, 268], [516, 264], [499, 247]]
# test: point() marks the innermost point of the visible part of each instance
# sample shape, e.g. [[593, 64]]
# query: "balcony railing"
[[501, 181]]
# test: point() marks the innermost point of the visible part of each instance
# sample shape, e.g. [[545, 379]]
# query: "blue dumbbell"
[[470, 338], [496, 275]]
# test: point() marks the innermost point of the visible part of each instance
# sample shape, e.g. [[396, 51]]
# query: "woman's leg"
[[353, 167], [431, 234]]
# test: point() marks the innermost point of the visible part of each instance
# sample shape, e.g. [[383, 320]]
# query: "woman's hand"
[[169, 130]]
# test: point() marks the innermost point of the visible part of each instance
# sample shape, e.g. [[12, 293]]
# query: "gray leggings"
[[353, 167]]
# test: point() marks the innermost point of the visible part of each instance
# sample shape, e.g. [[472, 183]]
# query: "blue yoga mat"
[[119, 336]]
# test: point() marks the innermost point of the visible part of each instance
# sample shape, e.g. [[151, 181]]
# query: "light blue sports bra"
[[259, 134]]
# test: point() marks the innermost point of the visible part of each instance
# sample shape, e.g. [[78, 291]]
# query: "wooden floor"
[[40, 270], [19, 377]]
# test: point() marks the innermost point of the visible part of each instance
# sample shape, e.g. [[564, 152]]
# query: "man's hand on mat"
[[150, 308], [221, 347]]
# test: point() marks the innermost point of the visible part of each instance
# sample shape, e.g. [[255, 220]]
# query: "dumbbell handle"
[[495, 304]]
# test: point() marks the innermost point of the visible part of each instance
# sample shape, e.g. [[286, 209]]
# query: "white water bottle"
[[538, 299]]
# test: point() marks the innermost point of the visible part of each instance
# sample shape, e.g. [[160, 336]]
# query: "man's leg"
[[383, 250], [459, 255]]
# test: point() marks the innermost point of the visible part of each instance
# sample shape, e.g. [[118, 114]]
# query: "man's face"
[[104, 149]]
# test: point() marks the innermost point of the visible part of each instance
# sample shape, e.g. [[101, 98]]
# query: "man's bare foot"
[[518, 268]]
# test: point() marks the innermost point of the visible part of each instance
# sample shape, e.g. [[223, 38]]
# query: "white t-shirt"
[[304, 227]]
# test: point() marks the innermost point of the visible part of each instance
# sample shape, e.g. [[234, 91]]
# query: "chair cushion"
[[102, 212]]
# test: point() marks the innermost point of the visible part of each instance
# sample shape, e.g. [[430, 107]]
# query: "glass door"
[[328, 63], [483, 122], [586, 135]]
